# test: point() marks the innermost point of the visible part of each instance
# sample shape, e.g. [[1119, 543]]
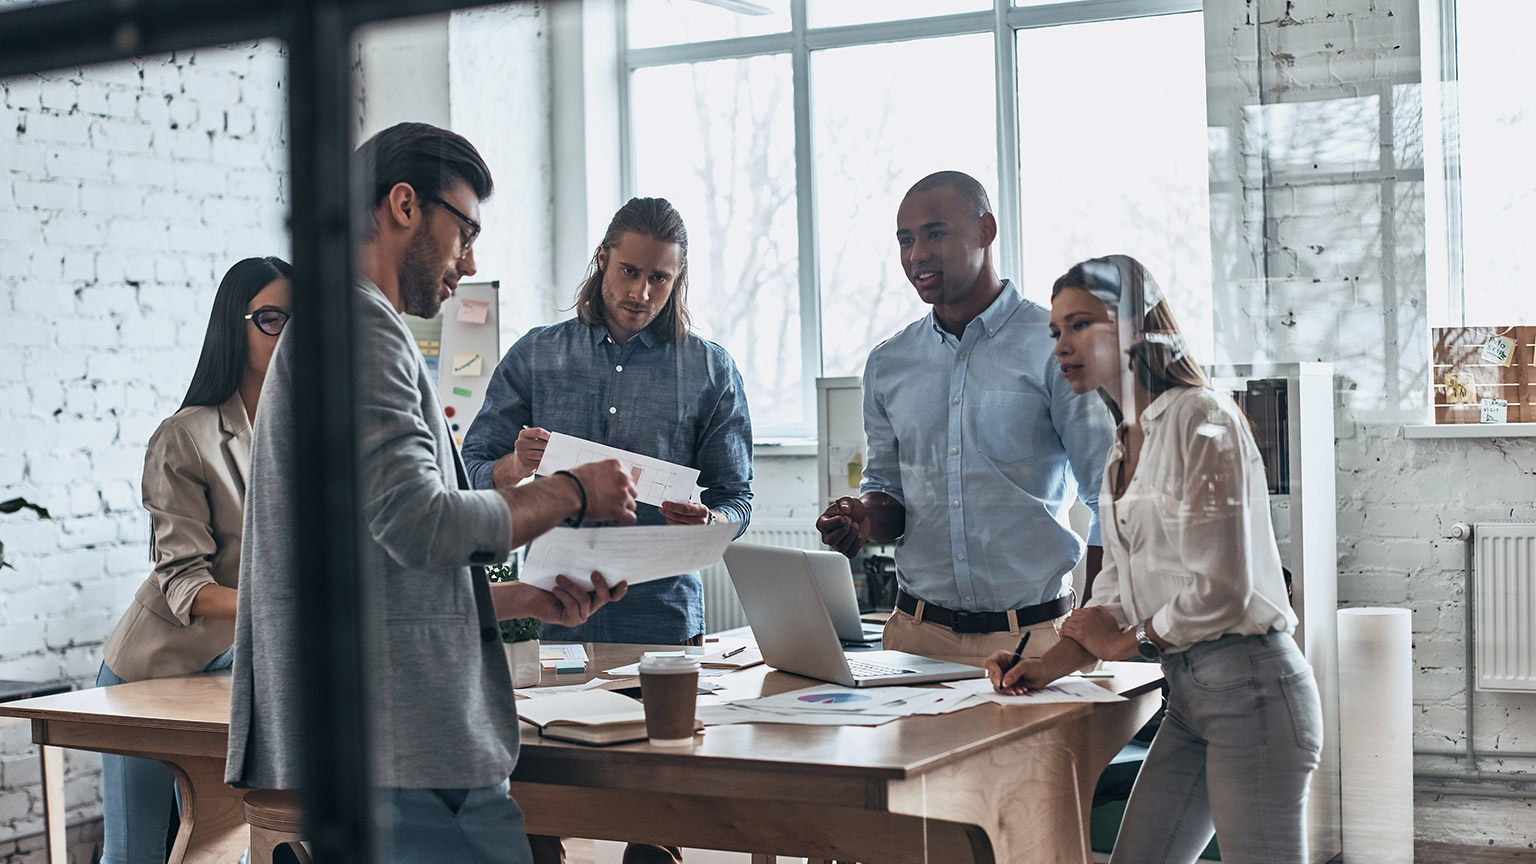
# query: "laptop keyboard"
[[861, 669]]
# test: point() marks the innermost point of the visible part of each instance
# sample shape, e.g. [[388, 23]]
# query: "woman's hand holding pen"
[[1013, 673]]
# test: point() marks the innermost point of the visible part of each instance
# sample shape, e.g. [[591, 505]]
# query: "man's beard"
[[419, 278]]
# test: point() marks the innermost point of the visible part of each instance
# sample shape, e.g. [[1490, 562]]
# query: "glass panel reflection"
[[717, 139], [879, 130]]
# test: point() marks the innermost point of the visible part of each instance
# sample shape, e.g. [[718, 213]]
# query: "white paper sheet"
[[655, 480], [540, 692], [1060, 690], [633, 669], [722, 715], [632, 553], [835, 698], [551, 651]]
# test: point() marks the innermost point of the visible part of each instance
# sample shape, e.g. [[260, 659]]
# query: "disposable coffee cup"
[[669, 689]]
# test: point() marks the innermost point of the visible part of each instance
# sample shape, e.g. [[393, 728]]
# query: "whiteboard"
[[462, 346]]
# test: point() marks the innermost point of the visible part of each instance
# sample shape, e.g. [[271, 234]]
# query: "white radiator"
[[722, 611], [1505, 606]]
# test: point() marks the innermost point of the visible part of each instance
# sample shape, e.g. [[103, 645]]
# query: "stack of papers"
[[708, 670], [1061, 690], [835, 705], [563, 658]]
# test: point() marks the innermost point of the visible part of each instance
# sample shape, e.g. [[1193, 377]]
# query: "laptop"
[[834, 578], [783, 599]]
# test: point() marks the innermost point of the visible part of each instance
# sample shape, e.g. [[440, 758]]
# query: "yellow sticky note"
[[855, 470], [467, 363]]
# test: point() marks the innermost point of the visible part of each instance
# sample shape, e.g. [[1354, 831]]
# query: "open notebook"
[[588, 717]]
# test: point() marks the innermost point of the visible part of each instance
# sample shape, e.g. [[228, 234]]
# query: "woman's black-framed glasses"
[[269, 319], [466, 239]]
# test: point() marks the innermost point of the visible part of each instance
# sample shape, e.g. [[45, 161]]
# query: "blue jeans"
[[455, 826], [1233, 756], [137, 795]]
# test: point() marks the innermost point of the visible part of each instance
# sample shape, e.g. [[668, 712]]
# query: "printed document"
[[655, 480], [1060, 690], [625, 553]]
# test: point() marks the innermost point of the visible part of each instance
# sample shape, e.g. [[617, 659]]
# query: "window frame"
[[1003, 21]]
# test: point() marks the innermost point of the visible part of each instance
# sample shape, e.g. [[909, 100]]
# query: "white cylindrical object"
[[1376, 734]]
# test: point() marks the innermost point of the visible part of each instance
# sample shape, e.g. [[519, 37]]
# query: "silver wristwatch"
[[1144, 645]]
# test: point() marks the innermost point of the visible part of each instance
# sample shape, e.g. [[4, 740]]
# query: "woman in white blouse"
[[1192, 579]]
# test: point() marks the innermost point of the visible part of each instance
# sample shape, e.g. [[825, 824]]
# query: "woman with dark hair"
[[182, 619], [1191, 579]]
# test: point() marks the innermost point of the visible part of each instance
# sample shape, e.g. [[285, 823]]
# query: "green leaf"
[[517, 629]]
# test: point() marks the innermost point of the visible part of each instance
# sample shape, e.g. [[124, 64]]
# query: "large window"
[[1486, 108], [787, 139]]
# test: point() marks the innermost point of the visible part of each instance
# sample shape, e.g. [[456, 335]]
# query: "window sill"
[[1470, 430], [784, 447]]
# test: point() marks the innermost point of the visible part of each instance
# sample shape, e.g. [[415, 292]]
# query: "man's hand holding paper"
[[634, 554]]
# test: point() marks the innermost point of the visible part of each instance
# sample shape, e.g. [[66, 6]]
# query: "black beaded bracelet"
[[581, 513]]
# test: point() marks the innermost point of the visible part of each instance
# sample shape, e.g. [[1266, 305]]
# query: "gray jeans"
[[1233, 756]]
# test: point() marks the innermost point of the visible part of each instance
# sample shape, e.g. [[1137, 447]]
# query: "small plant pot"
[[523, 658]]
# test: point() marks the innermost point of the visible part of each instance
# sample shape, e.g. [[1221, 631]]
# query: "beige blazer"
[[194, 490]]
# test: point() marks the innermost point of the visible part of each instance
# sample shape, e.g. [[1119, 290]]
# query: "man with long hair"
[[446, 736], [628, 372], [975, 441]]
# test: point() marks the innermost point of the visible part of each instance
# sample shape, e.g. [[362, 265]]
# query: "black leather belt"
[[984, 622]]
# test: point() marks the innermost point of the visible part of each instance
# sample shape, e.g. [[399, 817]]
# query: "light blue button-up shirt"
[[682, 402], [984, 443]]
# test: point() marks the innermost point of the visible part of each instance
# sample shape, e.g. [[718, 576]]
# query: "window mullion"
[[805, 204], [1008, 207]]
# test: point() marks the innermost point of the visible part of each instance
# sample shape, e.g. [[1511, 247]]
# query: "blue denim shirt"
[[984, 443], [682, 402]]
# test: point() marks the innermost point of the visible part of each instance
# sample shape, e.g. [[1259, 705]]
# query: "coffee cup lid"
[[664, 663]]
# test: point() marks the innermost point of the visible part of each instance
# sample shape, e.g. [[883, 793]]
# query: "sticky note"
[[473, 311], [1494, 411], [462, 391], [1499, 350], [467, 363], [565, 667]]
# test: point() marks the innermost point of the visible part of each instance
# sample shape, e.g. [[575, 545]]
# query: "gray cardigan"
[[443, 714]]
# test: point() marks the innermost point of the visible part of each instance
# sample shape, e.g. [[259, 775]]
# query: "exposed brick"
[[47, 194]]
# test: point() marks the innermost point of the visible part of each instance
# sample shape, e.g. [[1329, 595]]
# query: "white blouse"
[[1190, 545]]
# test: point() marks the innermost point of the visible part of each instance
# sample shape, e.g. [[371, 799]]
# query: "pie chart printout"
[[835, 698]]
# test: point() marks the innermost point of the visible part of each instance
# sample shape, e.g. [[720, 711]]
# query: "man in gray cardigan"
[[445, 727]]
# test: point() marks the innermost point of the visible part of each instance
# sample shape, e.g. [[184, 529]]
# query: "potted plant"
[[519, 636], [16, 504]]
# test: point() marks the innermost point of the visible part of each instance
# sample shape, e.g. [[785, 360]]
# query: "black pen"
[[1018, 653], [733, 652]]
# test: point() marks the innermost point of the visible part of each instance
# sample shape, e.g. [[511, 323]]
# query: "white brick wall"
[[1345, 257], [126, 191]]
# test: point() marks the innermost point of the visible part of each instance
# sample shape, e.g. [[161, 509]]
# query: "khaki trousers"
[[903, 632]]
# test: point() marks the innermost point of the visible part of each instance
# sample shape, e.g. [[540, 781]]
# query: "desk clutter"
[[605, 709]]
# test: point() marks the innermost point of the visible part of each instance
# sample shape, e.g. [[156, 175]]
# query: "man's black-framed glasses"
[[269, 319], [465, 240]]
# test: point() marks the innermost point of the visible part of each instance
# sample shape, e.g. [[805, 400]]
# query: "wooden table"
[[988, 784], [183, 722]]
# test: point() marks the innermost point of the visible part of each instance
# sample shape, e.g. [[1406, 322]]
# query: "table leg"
[[213, 828], [53, 803], [1031, 797]]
